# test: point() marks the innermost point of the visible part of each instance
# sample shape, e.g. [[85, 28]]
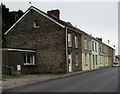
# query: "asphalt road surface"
[[105, 80]]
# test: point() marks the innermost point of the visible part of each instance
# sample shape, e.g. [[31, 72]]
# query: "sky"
[[96, 17]]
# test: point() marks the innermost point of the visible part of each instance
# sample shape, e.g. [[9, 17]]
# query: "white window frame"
[[85, 43], [76, 42], [35, 24], [29, 63], [69, 40], [76, 59]]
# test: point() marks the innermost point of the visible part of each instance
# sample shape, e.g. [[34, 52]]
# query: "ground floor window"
[[85, 59], [93, 61], [96, 59], [29, 59]]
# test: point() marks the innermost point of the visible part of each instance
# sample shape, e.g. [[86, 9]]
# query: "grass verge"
[[13, 77]]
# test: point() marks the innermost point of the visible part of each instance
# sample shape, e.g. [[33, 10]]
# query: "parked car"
[[115, 64]]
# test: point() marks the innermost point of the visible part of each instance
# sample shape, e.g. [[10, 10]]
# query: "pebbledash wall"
[[59, 46]]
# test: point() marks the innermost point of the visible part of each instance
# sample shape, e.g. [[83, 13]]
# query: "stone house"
[[95, 53], [42, 43], [86, 51], [57, 44]]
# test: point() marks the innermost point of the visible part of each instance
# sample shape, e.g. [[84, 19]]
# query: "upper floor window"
[[36, 24], [100, 48], [85, 43], [76, 42], [69, 40], [89, 45], [93, 45]]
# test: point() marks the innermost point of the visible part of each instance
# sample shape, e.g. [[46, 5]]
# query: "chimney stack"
[[100, 39], [54, 13]]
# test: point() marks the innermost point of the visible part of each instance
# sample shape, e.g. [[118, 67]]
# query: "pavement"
[[31, 80]]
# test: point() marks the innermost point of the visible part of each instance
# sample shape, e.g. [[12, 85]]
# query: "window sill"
[[36, 27], [69, 47], [76, 48], [28, 64]]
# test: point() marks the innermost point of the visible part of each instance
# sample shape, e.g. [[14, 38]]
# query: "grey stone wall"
[[75, 51], [48, 39]]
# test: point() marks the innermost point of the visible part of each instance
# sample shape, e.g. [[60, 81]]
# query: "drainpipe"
[[66, 50]]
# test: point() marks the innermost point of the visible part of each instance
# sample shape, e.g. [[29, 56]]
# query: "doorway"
[[70, 62]]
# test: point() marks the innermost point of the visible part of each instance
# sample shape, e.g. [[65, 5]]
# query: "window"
[[85, 43], [93, 61], [93, 45], [69, 40], [96, 59], [76, 59], [89, 45], [29, 60], [36, 24], [76, 42], [85, 59], [101, 48]]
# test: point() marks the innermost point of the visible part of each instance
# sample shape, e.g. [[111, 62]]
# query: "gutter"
[[66, 51]]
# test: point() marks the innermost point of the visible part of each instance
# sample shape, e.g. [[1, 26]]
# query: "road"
[[105, 80]]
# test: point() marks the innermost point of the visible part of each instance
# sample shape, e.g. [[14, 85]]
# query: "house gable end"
[[38, 11]]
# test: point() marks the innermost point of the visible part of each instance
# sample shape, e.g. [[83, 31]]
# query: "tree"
[[8, 19]]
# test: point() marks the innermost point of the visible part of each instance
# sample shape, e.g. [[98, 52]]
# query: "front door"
[[70, 62], [93, 62]]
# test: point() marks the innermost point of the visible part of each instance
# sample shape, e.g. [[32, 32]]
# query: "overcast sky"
[[97, 18]]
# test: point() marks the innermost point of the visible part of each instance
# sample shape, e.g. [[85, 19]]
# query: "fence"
[[7, 70]]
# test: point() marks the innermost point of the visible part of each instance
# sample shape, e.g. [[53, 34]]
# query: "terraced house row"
[[42, 42]]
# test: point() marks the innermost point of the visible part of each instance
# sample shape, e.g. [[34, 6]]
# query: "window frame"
[[96, 46], [89, 45], [85, 59], [76, 41], [31, 57], [85, 44], [36, 24], [92, 45], [69, 40], [96, 60]]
